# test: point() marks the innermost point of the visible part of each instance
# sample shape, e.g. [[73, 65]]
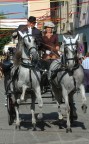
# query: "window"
[[77, 7]]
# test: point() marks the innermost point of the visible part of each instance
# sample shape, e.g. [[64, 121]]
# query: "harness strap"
[[26, 65], [31, 67], [63, 75], [30, 77], [35, 72], [74, 83]]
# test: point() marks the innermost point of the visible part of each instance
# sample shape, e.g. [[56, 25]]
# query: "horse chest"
[[68, 82], [23, 77]]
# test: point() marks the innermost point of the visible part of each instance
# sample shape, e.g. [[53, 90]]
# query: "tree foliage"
[[5, 35]]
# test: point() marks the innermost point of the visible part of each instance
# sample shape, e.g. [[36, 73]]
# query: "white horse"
[[28, 78], [69, 78]]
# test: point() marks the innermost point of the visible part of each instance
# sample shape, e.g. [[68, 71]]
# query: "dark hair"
[[87, 54], [32, 19]]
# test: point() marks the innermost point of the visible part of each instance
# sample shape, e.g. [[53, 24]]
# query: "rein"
[[31, 67], [51, 49], [27, 65], [27, 51], [75, 58]]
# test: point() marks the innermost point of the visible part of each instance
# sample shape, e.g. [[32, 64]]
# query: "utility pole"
[[60, 15], [68, 28]]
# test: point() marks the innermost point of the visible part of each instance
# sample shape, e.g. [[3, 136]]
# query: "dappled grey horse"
[[69, 77], [28, 78]]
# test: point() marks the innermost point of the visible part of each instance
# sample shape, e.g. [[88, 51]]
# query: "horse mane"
[[18, 54], [17, 59]]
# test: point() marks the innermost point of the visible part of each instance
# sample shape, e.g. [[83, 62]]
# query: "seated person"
[[6, 67], [50, 43], [50, 40], [50, 49]]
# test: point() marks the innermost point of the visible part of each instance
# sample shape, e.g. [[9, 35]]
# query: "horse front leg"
[[24, 87], [65, 95], [33, 99], [58, 96], [17, 116], [40, 101], [82, 92]]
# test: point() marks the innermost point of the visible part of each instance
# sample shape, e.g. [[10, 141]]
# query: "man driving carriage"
[[32, 30]]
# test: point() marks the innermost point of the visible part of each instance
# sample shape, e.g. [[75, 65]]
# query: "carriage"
[[59, 87]]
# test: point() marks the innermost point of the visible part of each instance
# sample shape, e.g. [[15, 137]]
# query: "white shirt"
[[30, 30], [85, 63]]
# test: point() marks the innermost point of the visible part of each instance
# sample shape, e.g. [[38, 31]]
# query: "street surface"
[[51, 134]]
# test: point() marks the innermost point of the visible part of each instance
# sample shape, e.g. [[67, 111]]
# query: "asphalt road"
[[52, 133]]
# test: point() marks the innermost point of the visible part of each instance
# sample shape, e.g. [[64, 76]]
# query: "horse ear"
[[64, 38], [21, 34], [76, 38]]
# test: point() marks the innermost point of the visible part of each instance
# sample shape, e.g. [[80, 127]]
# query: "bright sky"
[[14, 7]]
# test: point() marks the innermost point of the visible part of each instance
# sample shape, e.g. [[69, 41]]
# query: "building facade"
[[40, 9], [82, 22], [73, 15], [63, 16]]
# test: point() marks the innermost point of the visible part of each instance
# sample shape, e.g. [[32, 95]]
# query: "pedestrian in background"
[[85, 64]]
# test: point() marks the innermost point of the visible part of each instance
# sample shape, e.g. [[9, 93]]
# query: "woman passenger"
[[50, 40]]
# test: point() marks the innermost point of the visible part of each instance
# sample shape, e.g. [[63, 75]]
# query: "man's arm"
[[15, 32]]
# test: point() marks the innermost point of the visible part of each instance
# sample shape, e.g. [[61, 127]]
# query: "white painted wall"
[[12, 23]]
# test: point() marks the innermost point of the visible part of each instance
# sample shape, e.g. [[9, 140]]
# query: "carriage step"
[[46, 96], [28, 103]]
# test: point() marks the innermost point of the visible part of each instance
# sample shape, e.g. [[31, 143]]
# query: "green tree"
[[5, 34]]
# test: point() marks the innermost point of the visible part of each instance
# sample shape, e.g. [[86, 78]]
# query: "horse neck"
[[25, 57], [70, 60], [11, 58]]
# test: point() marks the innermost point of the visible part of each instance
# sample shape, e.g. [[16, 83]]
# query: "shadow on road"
[[48, 121]]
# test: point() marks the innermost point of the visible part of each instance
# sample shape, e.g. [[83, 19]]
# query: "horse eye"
[[66, 51], [74, 47], [35, 40]]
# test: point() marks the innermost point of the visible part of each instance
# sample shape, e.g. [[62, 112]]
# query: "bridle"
[[73, 51], [28, 50]]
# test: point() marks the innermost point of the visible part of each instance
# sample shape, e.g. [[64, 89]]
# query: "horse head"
[[29, 46], [69, 48]]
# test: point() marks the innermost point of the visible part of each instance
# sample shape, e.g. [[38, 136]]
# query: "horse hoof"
[[60, 117], [18, 101], [40, 116], [21, 99], [34, 127], [68, 130], [17, 127], [84, 108]]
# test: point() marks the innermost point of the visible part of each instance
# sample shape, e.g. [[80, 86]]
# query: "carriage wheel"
[[10, 110]]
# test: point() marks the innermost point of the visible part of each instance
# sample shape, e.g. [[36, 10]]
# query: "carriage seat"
[[6, 65]]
